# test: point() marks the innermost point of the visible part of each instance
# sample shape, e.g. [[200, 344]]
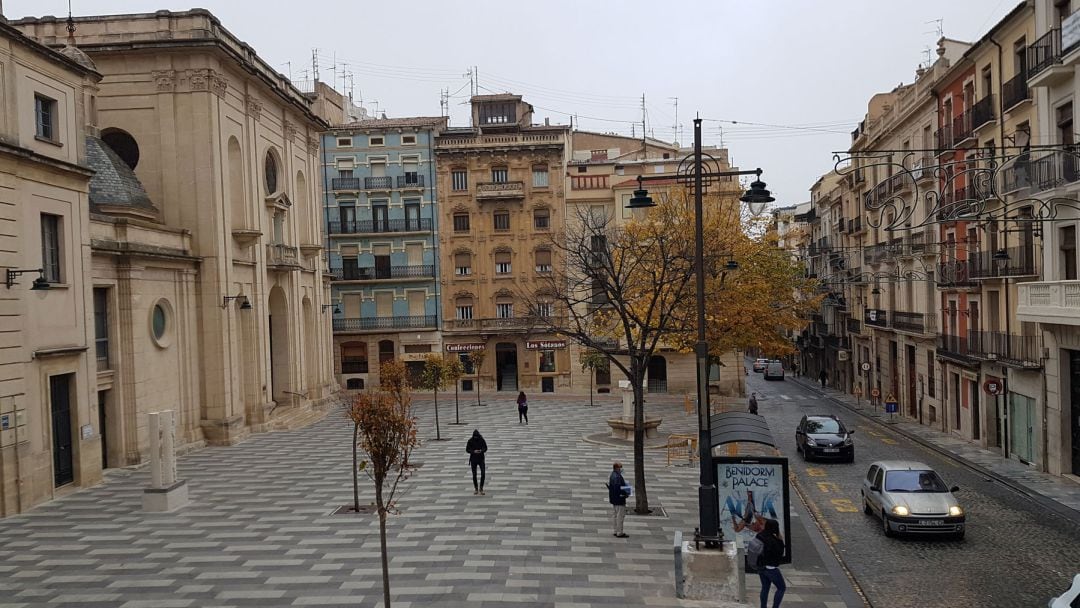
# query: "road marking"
[[888, 441], [828, 486], [844, 505], [785, 397], [815, 472]]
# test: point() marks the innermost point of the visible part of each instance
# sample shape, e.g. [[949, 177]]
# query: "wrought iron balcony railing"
[[380, 226], [378, 183], [956, 348], [1044, 52], [419, 271], [876, 317], [345, 183], [913, 322], [982, 112], [961, 127], [1010, 349], [410, 180], [377, 323], [1015, 90], [1020, 263], [955, 273]]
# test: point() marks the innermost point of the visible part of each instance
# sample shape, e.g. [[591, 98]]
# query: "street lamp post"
[[757, 196]]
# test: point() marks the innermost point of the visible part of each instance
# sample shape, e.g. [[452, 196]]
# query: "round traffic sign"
[[992, 386], [865, 367], [875, 392]]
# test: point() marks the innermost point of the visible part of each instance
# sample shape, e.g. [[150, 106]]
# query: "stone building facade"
[[501, 190], [207, 263]]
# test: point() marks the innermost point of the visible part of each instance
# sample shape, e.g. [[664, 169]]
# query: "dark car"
[[824, 436]]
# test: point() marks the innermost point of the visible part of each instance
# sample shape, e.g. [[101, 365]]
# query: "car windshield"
[[823, 425], [913, 481]]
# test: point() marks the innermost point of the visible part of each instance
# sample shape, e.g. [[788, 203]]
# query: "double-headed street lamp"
[[757, 196]]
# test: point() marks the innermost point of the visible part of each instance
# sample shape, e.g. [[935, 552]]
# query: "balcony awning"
[[731, 427]]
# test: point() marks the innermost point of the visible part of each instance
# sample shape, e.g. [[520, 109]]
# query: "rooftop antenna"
[[70, 25], [315, 65], [940, 29], [929, 55], [675, 127], [644, 149]]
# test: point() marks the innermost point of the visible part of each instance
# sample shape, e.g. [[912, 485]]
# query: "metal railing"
[[1044, 52], [345, 183], [394, 322], [855, 224], [961, 127], [378, 226], [875, 317], [955, 273], [1054, 170], [413, 180], [956, 348], [1015, 90], [503, 323], [1011, 349], [982, 112], [943, 139], [378, 183], [419, 271], [913, 322], [854, 326], [1021, 263]]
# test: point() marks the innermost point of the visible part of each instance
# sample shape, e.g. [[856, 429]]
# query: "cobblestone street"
[[1016, 552], [259, 532]]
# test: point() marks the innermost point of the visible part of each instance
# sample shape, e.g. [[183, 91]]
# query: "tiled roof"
[[394, 123], [113, 183]]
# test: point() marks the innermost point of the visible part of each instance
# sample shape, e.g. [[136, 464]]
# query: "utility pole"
[[644, 148], [675, 127]]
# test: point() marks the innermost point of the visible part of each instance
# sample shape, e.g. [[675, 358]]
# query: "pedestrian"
[[753, 403], [824, 378], [618, 490], [477, 447], [523, 408], [770, 575]]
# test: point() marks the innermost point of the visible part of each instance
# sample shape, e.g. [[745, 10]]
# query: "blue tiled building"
[[381, 226]]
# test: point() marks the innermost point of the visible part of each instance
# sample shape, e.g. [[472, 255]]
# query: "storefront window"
[[547, 361]]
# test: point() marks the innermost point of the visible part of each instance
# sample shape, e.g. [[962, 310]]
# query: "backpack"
[[755, 554]]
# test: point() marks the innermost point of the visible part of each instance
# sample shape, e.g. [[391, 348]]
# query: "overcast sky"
[[807, 64]]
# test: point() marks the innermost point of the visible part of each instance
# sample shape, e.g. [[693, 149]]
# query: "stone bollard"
[[165, 492]]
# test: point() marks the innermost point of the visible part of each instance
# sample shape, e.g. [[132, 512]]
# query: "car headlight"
[[810, 441], [847, 440], [955, 511], [901, 510]]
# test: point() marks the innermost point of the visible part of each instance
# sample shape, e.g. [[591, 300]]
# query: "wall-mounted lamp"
[[40, 283], [245, 304], [335, 307]]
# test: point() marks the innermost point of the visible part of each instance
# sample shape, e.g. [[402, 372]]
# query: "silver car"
[[910, 497]]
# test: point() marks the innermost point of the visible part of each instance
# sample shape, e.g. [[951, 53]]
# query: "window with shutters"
[[541, 219], [410, 167], [459, 180], [502, 220], [384, 304], [543, 260], [462, 264], [540, 177], [502, 262], [461, 222], [464, 308]]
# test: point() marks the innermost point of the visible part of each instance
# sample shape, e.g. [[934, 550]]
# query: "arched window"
[[270, 172], [123, 144]]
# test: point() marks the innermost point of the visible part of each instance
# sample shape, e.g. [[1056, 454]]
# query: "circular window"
[[123, 144], [270, 171], [159, 323]]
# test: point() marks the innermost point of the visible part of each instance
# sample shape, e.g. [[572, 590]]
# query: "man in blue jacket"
[[617, 497]]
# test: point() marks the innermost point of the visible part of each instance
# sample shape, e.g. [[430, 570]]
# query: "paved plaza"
[[259, 530]]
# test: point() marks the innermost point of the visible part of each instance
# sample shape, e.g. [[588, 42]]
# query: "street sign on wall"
[[992, 387]]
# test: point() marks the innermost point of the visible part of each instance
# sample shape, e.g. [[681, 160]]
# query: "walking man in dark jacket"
[[753, 403], [617, 497], [477, 447]]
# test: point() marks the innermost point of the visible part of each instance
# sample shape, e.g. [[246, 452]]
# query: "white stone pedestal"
[[623, 428], [711, 574], [165, 493]]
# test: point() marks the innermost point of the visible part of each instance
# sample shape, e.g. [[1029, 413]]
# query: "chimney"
[[547, 121]]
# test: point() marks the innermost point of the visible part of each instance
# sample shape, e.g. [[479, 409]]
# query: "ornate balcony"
[[1015, 91], [419, 271], [384, 323], [1009, 349], [1021, 263], [956, 349], [961, 130], [381, 226], [502, 324], [954, 274], [410, 180], [345, 183], [1044, 67], [283, 257], [982, 112], [1054, 302], [486, 191], [378, 183], [913, 322]]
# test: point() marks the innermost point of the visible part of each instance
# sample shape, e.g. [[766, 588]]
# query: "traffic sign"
[[875, 393], [865, 367], [891, 407], [992, 386]]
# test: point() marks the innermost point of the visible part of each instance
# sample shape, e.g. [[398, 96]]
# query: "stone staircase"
[[300, 417]]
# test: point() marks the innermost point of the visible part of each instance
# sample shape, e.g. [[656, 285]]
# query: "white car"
[[910, 498], [759, 365], [1069, 599]]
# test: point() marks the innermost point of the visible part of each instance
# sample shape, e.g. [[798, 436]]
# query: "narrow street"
[[1016, 553]]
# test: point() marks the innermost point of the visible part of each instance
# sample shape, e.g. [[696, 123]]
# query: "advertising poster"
[[753, 489]]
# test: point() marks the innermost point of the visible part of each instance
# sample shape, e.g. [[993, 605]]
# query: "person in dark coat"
[[774, 552], [617, 497], [753, 403], [824, 377], [523, 408], [477, 447]]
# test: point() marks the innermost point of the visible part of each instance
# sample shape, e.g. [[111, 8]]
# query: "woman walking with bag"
[[770, 561], [523, 408]]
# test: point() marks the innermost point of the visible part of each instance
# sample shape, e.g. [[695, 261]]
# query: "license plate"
[[831, 450], [931, 522]]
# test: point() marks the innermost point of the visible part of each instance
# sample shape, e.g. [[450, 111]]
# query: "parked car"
[[824, 436], [1069, 599], [759, 365], [774, 370], [911, 498]]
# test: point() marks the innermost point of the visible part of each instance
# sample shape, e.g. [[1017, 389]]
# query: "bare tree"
[[614, 289]]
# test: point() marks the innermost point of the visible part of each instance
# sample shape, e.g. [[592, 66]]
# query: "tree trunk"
[[355, 470], [438, 437], [457, 414], [477, 385], [592, 374], [382, 544], [637, 369]]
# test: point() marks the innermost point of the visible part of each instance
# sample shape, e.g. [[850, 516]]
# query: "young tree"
[[615, 290], [387, 434], [454, 371], [591, 361], [477, 357], [433, 378]]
